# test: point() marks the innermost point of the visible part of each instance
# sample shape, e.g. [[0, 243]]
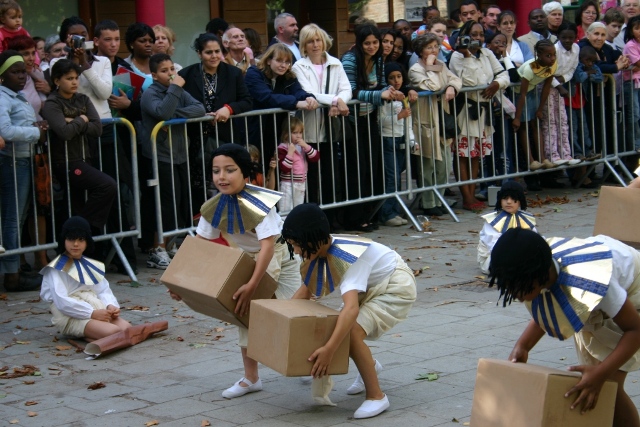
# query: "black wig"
[[74, 228], [515, 191], [520, 261], [307, 226]]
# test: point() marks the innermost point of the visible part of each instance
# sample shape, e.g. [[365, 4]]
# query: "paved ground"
[[176, 378]]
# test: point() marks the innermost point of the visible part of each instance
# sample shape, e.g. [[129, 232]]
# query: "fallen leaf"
[[180, 339], [14, 421], [33, 300], [197, 345], [54, 369], [431, 376], [32, 414], [63, 347], [28, 382], [152, 280], [22, 342], [466, 423], [96, 386], [563, 358], [218, 329], [205, 423], [480, 277], [417, 272], [448, 263], [137, 308], [151, 423], [55, 338], [454, 420], [3, 297], [19, 372], [30, 403]]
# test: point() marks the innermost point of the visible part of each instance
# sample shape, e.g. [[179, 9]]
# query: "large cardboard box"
[[616, 217], [284, 333], [511, 394], [206, 275]]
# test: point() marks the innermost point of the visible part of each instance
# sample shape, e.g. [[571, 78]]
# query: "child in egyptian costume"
[[245, 216], [82, 303], [377, 287], [510, 212], [585, 289]]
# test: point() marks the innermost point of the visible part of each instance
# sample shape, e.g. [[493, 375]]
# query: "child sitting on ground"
[[509, 213], [82, 303], [377, 287], [293, 155], [587, 289]]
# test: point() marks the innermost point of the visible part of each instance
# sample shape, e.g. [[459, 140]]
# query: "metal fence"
[[44, 218], [362, 170], [352, 173]]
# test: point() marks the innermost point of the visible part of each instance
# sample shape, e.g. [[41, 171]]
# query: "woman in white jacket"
[[323, 76]]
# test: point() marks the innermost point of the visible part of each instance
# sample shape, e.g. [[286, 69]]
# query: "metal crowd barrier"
[[47, 220], [363, 161]]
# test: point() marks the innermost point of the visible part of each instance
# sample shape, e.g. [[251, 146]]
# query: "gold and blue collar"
[[321, 275], [502, 221], [583, 280], [84, 270], [237, 213]]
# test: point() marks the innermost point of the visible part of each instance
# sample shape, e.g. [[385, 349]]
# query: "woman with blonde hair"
[[272, 84], [165, 40], [323, 76]]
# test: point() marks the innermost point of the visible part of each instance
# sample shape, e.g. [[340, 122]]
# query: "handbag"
[[333, 122], [42, 176]]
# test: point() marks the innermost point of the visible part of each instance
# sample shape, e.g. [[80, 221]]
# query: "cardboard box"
[[511, 394], [206, 275], [284, 333], [615, 218]]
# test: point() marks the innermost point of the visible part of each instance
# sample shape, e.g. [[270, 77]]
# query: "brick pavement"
[[176, 378]]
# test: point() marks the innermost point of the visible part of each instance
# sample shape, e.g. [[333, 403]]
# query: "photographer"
[[476, 66]]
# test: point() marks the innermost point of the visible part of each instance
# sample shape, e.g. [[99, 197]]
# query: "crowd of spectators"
[[475, 133]]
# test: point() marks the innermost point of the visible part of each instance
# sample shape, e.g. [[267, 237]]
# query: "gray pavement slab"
[[177, 376]]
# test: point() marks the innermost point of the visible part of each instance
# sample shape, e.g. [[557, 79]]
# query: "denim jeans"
[[394, 165], [579, 132], [631, 117], [13, 215]]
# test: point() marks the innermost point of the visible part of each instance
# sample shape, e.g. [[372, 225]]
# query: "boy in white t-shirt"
[[357, 266]]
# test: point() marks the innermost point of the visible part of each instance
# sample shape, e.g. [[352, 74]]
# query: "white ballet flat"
[[237, 390], [371, 408], [358, 384]]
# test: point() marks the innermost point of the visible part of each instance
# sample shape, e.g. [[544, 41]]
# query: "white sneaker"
[[173, 251], [158, 258], [404, 221], [358, 384], [237, 390], [561, 162], [394, 222], [371, 408], [575, 161]]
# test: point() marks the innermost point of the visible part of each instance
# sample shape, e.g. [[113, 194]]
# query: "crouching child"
[[377, 287], [588, 289]]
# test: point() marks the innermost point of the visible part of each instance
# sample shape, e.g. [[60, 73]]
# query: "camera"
[[465, 42], [77, 42]]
